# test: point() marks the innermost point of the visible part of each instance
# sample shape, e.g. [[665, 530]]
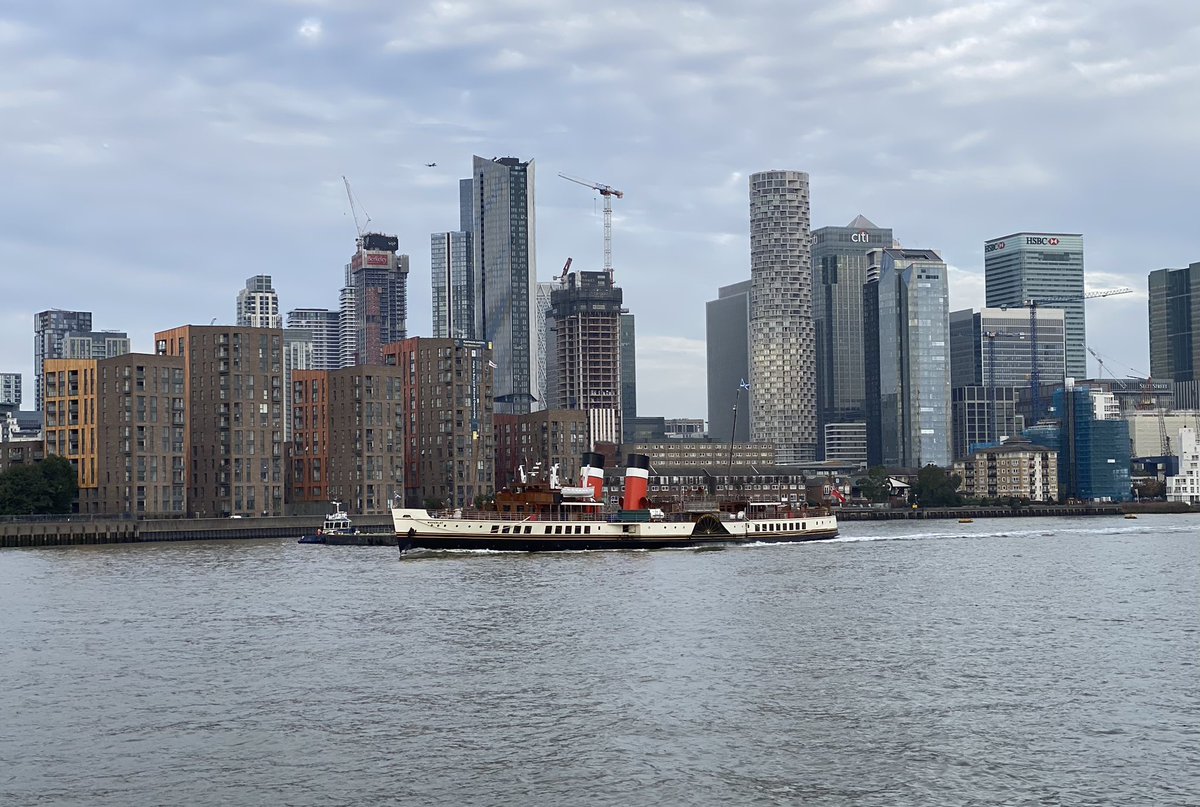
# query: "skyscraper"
[[839, 261], [452, 274], [326, 340], [628, 376], [258, 304], [374, 301], [727, 345], [782, 338], [503, 236], [914, 358], [62, 334], [585, 327], [1175, 323], [1041, 266]]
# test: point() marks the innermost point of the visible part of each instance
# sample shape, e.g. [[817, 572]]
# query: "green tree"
[[874, 486], [936, 487], [42, 488]]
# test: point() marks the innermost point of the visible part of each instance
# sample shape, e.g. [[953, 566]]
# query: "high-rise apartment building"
[[503, 237], [450, 444], [348, 437], [913, 357], [839, 265], [727, 345], [140, 435], [10, 389], [374, 301], [782, 339], [452, 269], [1041, 266], [549, 437], [258, 304], [628, 375], [1174, 306], [585, 328], [62, 334], [326, 335], [233, 380]]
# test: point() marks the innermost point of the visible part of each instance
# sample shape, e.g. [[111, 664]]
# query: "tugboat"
[[337, 526], [544, 516]]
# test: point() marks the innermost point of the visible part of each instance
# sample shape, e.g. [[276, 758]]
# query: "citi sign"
[[1041, 241], [860, 237]]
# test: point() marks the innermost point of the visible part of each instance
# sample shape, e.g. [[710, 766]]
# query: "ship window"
[[803, 525], [558, 530], [495, 528], [549, 529], [588, 529], [528, 530], [578, 529], [504, 529], [627, 528]]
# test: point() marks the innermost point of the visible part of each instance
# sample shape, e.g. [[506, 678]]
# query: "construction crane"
[[608, 192], [1035, 380], [566, 268], [1148, 402], [355, 206]]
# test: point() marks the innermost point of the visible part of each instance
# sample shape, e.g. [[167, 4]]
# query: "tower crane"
[[608, 192], [355, 206], [1035, 381], [1146, 385], [566, 268]]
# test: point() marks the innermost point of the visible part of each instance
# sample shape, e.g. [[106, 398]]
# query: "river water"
[[1009, 661]]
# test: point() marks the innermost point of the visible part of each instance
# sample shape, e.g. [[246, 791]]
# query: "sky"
[[155, 155]]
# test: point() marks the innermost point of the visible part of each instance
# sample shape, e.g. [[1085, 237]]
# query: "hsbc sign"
[[1041, 241], [993, 247]]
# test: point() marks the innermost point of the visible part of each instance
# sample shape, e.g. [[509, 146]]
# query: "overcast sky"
[[153, 155]]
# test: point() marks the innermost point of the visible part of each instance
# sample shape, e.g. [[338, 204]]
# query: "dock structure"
[[84, 530]]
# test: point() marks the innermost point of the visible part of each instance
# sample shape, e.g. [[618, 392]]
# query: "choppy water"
[[1009, 661]]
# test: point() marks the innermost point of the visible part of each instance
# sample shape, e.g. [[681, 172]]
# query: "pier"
[[80, 530]]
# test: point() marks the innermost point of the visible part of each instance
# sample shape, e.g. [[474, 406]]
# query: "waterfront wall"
[[81, 530]]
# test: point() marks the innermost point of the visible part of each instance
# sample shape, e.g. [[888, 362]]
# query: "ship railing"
[[492, 515]]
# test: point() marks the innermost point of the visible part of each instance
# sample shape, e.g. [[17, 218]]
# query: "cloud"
[[163, 153]]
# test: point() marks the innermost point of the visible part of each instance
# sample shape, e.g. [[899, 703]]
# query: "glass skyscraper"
[[505, 277], [727, 343], [839, 263], [1042, 267], [1175, 323], [914, 357]]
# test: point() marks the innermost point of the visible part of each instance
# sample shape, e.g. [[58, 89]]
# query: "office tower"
[[782, 340], [325, 326], [727, 348], [1174, 306], [450, 442], [992, 350], [234, 437], [10, 389], [374, 301], [628, 375], [347, 437], [1092, 442], [258, 304], [1042, 267], [140, 435], [839, 265], [452, 270], [585, 335], [914, 358], [503, 237]]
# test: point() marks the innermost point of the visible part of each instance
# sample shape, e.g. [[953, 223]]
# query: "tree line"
[[48, 487]]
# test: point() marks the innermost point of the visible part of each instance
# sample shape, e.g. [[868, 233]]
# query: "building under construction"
[[585, 357]]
